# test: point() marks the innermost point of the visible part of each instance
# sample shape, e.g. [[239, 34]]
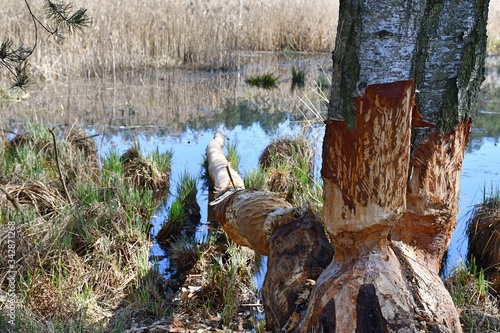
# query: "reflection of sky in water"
[[188, 154], [481, 169]]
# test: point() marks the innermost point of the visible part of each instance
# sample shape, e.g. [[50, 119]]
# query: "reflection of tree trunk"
[[391, 177]]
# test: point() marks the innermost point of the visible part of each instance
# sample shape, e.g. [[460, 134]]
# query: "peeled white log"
[[219, 169], [247, 216]]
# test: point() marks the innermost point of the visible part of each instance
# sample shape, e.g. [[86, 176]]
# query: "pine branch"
[[62, 20], [62, 17]]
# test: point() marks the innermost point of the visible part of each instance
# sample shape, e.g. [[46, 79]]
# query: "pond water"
[[179, 111]]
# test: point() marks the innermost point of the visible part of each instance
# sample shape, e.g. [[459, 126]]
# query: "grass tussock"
[[184, 214], [479, 311], [286, 167], [264, 81], [153, 174], [484, 239], [78, 261]]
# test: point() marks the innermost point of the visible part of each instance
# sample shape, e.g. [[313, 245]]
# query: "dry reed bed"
[[199, 34], [494, 27]]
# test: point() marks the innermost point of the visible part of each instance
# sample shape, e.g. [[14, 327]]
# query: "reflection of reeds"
[[298, 77], [165, 102]]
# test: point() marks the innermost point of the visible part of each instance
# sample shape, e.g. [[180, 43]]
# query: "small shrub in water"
[[265, 81], [298, 77]]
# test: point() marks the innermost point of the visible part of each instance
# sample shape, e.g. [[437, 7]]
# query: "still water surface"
[[481, 168], [180, 111]]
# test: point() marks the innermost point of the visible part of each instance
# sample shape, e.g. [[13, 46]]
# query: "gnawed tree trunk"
[[391, 176], [392, 160], [387, 215]]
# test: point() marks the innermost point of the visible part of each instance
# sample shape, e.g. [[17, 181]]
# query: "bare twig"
[[51, 130], [87, 137], [11, 198], [230, 177]]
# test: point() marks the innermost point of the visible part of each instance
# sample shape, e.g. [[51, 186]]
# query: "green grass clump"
[[187, 187], [232, 155], [483, 233], [298, 77], [183, 214], [469, 291], [265, 81], [256, 179], [77, 259]]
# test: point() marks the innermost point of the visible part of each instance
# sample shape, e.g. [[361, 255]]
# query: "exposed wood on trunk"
[[249, 216], [365, 170], [378, 280], [433, 193], [298, 253]]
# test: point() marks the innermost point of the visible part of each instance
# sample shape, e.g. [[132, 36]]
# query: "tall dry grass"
[[198, 33], [494, 27], [493, 21]]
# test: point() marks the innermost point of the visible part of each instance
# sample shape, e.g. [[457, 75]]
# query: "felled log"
[[222, 174], [293, 238], [247, 216]]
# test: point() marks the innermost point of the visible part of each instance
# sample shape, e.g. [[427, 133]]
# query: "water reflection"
[[179, 111], [171, 100]]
